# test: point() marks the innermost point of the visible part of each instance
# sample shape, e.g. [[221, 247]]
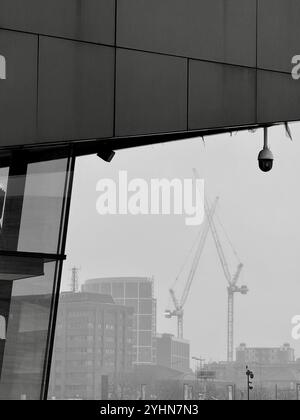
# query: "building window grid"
[[140, 298]]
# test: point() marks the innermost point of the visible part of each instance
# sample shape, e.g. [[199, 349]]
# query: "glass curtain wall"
[[34, 204]]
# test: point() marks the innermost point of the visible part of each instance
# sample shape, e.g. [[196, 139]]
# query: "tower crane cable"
[[186, 259], [227, 237], [180, 303]]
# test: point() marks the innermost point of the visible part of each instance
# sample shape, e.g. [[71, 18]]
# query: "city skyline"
[[271, 227]]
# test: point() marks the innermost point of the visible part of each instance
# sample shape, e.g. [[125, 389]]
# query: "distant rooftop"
[[172, 336], [85, 296], [244, 346], [119, 279]]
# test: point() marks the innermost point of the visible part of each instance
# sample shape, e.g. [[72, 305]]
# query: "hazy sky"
[[260, 213]]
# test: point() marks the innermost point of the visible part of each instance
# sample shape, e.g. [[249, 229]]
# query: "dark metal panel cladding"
[[217, 30], [18, 93], [87, 20], [278, 97], [76, 90], [151, 93], [221, 95], [278, 34]]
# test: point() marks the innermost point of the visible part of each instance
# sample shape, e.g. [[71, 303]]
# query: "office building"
[[265, 355], [93, 339], [136, 293], [172, 352]]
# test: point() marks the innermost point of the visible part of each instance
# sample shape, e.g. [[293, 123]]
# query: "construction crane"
[[232, 288], [232, 281], [178, 311]]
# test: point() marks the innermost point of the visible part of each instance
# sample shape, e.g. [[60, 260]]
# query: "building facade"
[[93, 339], [172, 352], [136, 293], [264, 355]]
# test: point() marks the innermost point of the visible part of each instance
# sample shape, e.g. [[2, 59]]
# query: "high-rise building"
[[136, 293], [265, 355], [173, 352], [93, 339]]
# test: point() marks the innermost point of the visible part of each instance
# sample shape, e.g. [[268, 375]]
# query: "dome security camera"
[[265, 157], [265, 160]]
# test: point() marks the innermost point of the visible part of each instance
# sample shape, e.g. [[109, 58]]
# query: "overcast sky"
[[259, 211]]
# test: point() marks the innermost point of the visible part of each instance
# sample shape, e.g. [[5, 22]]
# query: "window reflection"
[[2, 327], [26, 338], [42, 206], [33, 203], [3, 188]]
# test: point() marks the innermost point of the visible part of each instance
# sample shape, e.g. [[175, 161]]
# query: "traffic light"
[[250, 383], [250, 377]]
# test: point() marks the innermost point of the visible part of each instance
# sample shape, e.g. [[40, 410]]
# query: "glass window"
[[134, 322], [145, 338], [145, 306], [118, 290], [132, 303], [145, 355], [2, 327], [146, 290], [32, 219], [106, 288], [145, 322], [24, 350], [3, 189], [119, 301], [34, 203], [131, 290]]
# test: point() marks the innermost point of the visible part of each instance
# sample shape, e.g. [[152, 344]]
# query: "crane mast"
[[230, 326], [231, 289], [232, 282]]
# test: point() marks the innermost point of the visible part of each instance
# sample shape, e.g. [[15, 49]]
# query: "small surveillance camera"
[[107, 155], [265, 160], [265, 157]]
